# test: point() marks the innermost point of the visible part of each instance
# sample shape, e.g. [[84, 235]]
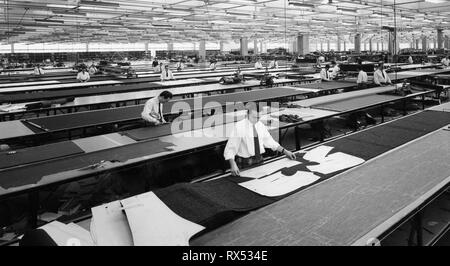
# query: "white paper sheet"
[[336, 162], [109, 225], [278, 184], [153, 224], [268, 168], [317, 154], [68, 234]]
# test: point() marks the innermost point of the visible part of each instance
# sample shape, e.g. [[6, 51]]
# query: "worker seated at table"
[[410, 60], [445, 61], [179, 66], [273, 64], [325, 73], [83, 75], [92, 70], [334, 70], [258, 64], [38, 70], [248, 141], [153, 109], [362, 78], [212, 65], [131, 73], [166, 74], [380, 77]]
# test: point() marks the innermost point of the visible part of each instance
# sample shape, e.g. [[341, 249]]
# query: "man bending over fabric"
[[153, 109], [248, 141]]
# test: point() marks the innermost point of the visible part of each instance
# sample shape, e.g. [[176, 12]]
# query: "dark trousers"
[[247, 162]]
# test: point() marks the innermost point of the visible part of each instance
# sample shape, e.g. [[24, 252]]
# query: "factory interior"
[[224, 123]]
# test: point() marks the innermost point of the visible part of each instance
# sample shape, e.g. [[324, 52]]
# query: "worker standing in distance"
[[325, 73], [273, 64], [153, 109], [258, 64], [167, 74], [362, 78], [83, 75]]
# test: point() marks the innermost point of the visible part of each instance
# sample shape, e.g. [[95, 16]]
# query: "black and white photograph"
[[224, 131]]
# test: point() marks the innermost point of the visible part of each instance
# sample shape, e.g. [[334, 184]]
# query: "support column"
[[146, 48], [244, 46], [345, 46], [338, 43], [170, 46], [424, 44], [302, 44], [328, 45], [221, 46], [446, 42], [202, 50], [378, 46], [12, 48], [370, 45], [391, 43], [321, 46], [261, 47], [87, 47], [255, 47], [417, 43], [358, 43]]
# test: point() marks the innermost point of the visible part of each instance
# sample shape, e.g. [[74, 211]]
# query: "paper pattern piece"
[[317, 154], [278, 184], [290, 175], [109, 225], [68, 234], [268, 168], [336, 162], [152, 223]]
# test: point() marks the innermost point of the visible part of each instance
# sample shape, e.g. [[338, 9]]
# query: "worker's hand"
[[234, 169], [290, 154]]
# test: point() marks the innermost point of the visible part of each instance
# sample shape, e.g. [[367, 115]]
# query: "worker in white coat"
[[380, 77], [325, 73], [248, 141], [153, 109], [362, 78], [166, 74]]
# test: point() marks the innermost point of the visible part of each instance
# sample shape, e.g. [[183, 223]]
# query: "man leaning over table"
[[248, 141]]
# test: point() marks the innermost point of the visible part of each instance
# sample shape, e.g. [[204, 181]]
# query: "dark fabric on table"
[[152, 132], [32, 174], [40, 153], [356, 102], [212, 203], [329, 85], [37, 238], [141, 84], [84, 119]]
